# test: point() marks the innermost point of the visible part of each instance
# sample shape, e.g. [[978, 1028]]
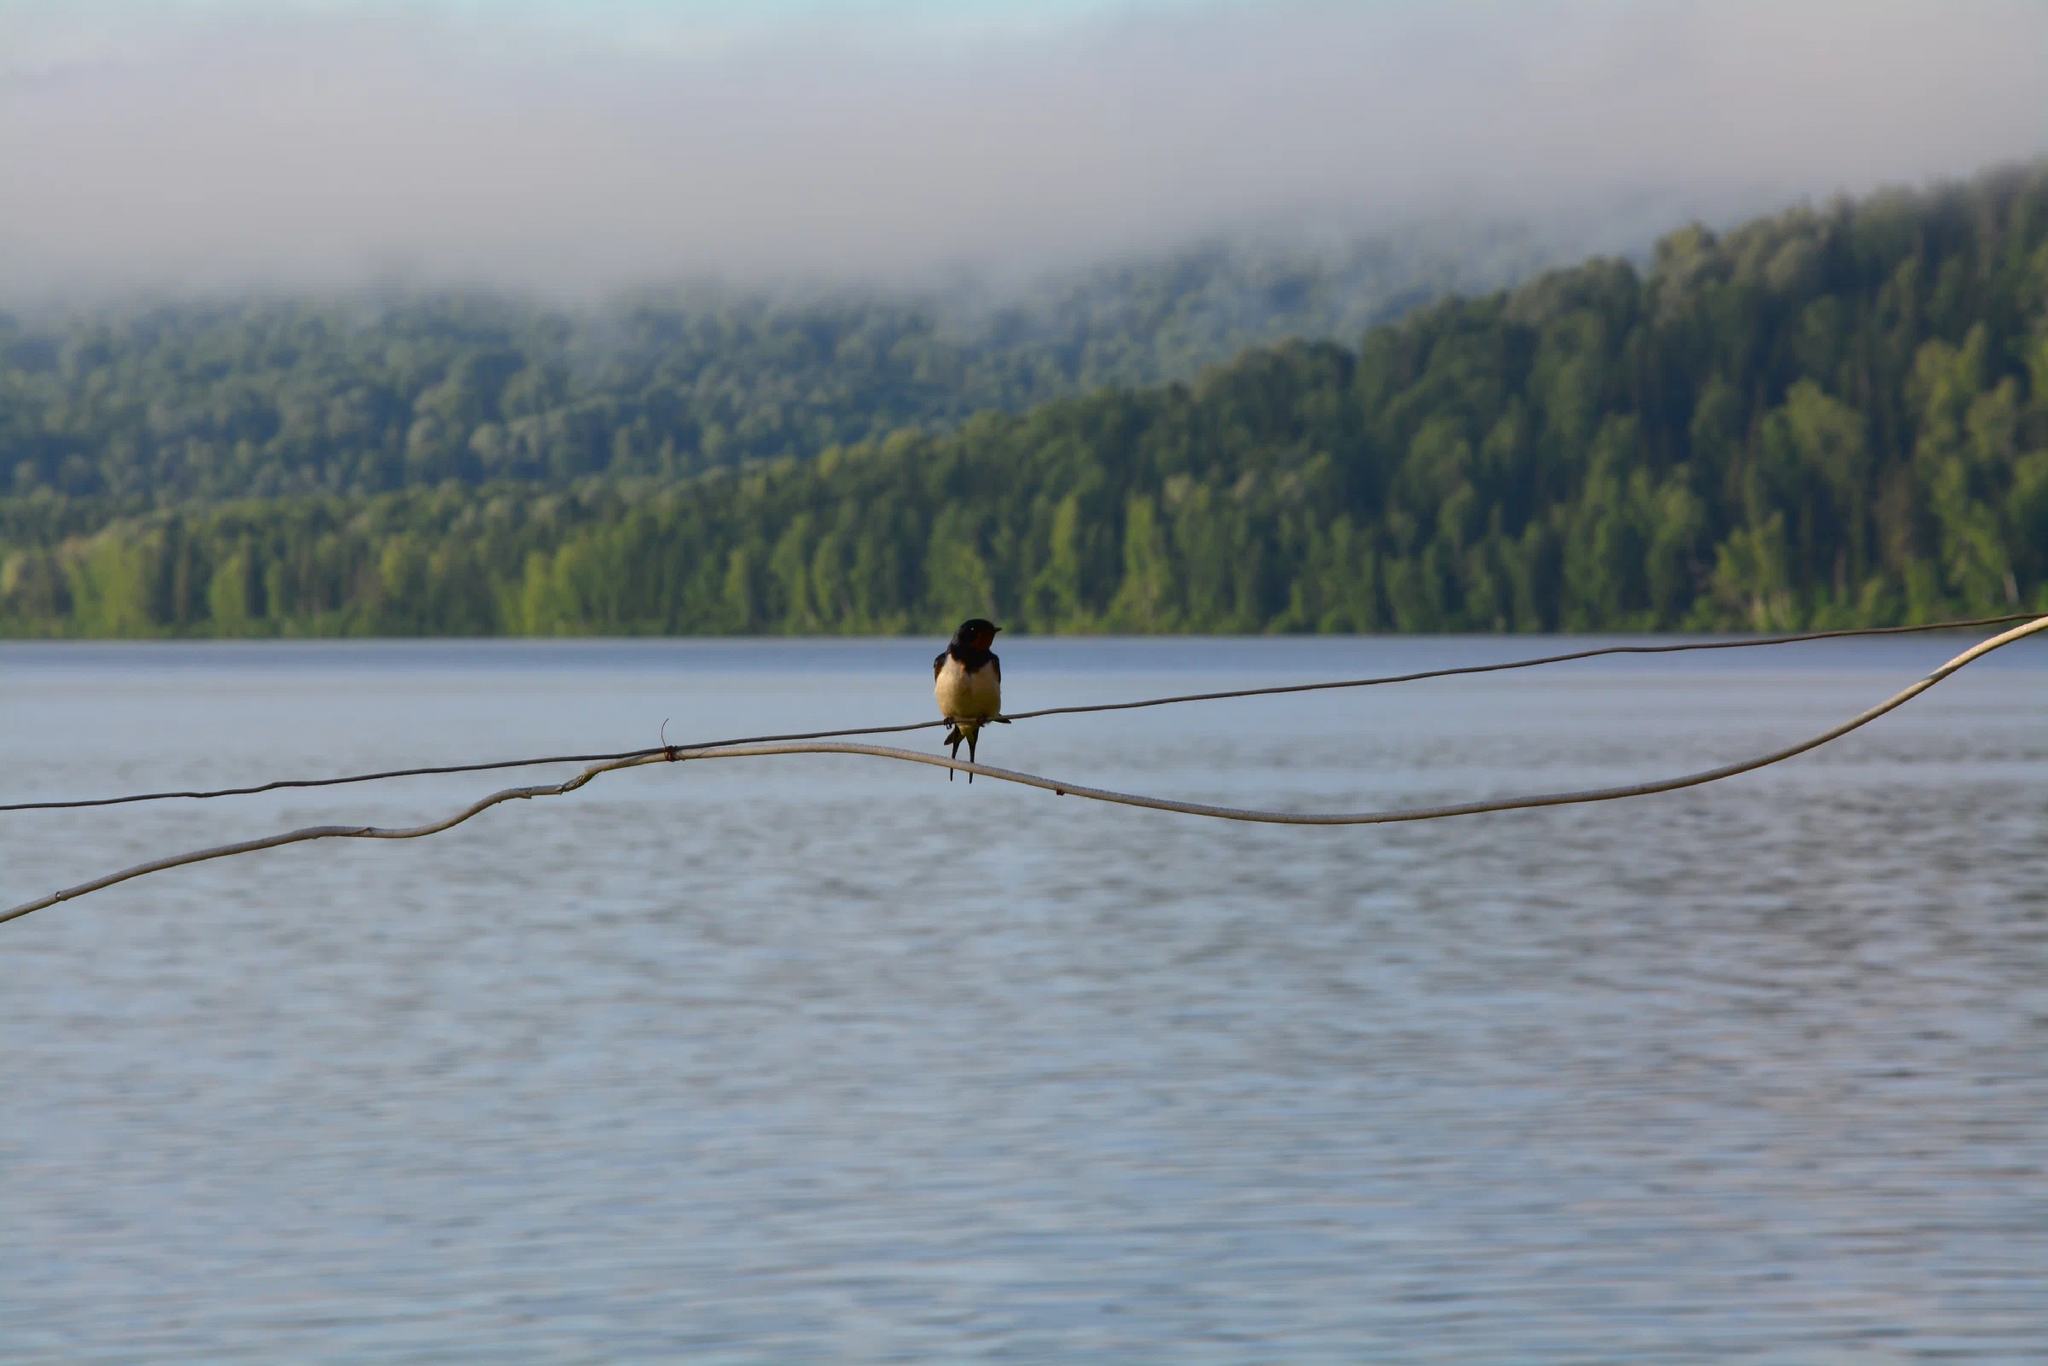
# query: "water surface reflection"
[[817, 1059]]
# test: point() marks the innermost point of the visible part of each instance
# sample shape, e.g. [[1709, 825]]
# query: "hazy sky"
[[559, 146]]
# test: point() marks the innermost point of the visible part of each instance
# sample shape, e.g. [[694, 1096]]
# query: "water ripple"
[[814, 1060]]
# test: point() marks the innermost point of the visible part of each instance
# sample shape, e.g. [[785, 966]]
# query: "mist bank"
[[183, 148], [359, 394], [1823, 418]]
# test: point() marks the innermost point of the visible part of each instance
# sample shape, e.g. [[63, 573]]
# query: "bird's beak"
[[997, 631]]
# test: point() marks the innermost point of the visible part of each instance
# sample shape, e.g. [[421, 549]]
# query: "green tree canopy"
[[1827, 417]]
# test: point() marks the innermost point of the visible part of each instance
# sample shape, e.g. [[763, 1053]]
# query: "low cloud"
[[323, 147]]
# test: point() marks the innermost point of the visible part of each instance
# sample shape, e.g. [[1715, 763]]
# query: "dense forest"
[[1830, 416], [275, 397]]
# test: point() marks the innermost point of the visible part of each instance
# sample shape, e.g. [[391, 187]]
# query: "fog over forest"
[[321, 317], [566, 151]]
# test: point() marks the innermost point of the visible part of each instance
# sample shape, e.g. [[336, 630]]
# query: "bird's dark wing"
[[997, 665], [938, 664]]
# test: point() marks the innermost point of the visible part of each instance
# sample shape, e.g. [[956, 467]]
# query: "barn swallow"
[[967, 680]]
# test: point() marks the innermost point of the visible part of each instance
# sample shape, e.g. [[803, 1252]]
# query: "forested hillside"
[[1825, 417], [144, 405]]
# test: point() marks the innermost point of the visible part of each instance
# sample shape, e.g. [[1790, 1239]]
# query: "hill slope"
[[1823, 417], [269, 398]]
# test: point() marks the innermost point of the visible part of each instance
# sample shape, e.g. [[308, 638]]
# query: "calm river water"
[[825, 1059]]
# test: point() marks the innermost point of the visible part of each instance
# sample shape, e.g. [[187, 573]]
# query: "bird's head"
[[976, 634]]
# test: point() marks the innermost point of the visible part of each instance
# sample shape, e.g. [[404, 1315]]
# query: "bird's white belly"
[[962, 695]]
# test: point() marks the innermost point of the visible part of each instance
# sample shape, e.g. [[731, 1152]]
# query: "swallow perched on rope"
[[967, 680]]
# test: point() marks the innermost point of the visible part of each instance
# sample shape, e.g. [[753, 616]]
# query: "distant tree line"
[[272, 398], [1823, 418]]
